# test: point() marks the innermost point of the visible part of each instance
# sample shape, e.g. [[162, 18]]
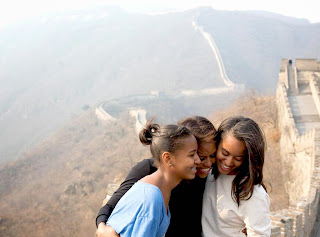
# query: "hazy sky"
[[12, 10]]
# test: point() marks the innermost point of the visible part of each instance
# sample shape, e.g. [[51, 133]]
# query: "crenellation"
[[317, 161], [317, 150], [284, 222], [275, 230], [315, 182], [307, 64], [297, 229], [314, 202], [300, 151]]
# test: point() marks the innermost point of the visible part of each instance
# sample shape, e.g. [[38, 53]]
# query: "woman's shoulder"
[[259, 197], [144, 193], [259, 190]]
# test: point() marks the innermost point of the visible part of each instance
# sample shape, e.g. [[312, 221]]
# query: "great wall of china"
[[299, 121]]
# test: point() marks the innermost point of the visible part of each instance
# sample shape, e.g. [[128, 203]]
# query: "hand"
[[106, 231]]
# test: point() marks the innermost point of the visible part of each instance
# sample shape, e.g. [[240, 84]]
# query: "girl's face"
[[230, 154], [206, 153], [185, 160]]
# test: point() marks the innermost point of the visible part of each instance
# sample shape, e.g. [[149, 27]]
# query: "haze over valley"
[[53, 67], [76, 86]]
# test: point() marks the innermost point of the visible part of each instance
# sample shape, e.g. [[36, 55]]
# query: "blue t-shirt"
[[140, 212]]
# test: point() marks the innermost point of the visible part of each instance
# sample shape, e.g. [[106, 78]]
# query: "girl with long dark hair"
[[235, 201]]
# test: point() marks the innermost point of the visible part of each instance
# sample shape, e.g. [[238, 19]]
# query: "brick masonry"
[[300, 146]]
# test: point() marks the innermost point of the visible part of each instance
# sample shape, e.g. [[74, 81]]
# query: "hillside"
[[62, 182], [252, 43], [53, 67]]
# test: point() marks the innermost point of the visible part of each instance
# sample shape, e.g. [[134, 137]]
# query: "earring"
[[170, 165]]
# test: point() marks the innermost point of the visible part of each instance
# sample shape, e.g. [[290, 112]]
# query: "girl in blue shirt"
[[143, 210]]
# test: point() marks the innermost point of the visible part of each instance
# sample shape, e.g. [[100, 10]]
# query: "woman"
[[235, 197], [186, 198], [143, 210]]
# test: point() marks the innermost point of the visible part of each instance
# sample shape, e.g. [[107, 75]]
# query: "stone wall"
[[307, 64], [300, 156], [315, 93]]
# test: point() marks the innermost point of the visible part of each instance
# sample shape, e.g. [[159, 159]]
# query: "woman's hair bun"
[[147, 133]]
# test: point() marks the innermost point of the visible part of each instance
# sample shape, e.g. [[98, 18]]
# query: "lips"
[[225, 168], [194, 169], [205, 171]]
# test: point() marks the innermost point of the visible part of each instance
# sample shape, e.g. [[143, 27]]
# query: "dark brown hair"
[[201, 128], [250, 171], [163, 138]]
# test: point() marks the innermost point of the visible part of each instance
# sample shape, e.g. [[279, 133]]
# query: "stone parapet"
[[275, 230], [307, 64], [284, 222], [315, 93], [305, 141], [284, 65], [302, 153], [297, 227], [286, 121]]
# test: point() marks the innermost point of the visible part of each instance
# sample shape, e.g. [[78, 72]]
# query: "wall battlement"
[[307, 64], [300, 149]]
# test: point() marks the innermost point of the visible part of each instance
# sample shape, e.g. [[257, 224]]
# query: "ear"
[[167, 159]]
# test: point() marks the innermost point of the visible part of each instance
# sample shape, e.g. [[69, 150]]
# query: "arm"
[[106, 231], [140, 170], [257, 215]]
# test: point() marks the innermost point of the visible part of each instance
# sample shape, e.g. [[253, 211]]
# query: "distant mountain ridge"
[[53, 67]]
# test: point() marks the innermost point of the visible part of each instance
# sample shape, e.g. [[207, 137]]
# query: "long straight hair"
[[250, 171]]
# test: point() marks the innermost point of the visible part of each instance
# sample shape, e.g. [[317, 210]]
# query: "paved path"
[[304, 112]]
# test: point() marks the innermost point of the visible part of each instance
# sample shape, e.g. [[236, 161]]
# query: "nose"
[[229, 161], [208, 162], [196, 159]]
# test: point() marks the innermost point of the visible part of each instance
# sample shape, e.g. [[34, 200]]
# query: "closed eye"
[[238, 158], [225, 153]]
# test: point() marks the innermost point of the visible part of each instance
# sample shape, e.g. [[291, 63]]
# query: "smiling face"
[[206, 152], [186, 159], [230, 154]]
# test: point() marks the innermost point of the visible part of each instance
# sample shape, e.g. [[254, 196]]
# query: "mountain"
[[52, 68], [252, 43]]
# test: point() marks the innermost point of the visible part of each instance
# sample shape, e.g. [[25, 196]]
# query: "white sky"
[[13, 10]]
